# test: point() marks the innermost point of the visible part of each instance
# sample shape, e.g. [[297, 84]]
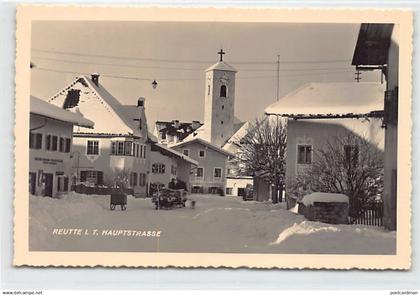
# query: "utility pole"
[[357, 74], [278, 77]]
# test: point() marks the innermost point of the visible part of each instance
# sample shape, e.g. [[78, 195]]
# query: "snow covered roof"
[[203, 142], [222, 66], [102, 107], [240, 130], [331, 99], [43, 108], [311, 199], [175, 153]]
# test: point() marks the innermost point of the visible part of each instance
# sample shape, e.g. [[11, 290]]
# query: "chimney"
[[175, 123], [195, 125], [140, 102], [95, 78]]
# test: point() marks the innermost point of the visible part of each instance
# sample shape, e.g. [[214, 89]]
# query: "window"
[[92, 176], [61, 145], [127, 148], [140, 124], [163, 135], [304, 154], [92, 147], [200, 172], [142, 179], [158, 168], [223, 107], [221, 122], [223, 91], [186, 152], [137, 150], [124, 148], [35, 140], [133, 179], [208, 89], [351, 155], [217, 173], [229, 191], [202, 153]]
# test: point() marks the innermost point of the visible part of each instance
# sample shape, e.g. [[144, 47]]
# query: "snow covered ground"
[[217, 224]]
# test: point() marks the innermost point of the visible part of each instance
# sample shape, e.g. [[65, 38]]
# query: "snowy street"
[[217, 224]]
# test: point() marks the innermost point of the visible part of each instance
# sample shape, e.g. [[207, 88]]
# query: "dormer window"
[[223, 91]]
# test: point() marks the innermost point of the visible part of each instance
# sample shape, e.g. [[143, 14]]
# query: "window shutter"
[[68, 143]]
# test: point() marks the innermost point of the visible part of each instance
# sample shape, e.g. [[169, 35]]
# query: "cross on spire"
[[221, 52]]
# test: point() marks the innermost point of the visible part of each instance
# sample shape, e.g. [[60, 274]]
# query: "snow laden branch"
[[350, 165], [263, 151]]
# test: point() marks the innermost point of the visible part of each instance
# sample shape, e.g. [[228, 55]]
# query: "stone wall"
[[336, 213]]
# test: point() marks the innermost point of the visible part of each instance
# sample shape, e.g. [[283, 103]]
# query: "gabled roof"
[[202, 142], [331, 100], [241, 130], [45, 109], [372, 45], [171, 152], [222, 66], [122, 115]]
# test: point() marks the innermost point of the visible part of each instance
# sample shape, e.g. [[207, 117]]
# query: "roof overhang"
[[372, 46]]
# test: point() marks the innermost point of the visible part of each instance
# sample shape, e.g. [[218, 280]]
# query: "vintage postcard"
[[260, 138]]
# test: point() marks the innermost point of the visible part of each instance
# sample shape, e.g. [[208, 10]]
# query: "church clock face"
[[224, 79]]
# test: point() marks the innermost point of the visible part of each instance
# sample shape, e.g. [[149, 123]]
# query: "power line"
[[185, 79], [180, 68], [188, 61]]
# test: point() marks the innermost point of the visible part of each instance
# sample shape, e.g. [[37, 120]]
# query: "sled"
[[118, 199]]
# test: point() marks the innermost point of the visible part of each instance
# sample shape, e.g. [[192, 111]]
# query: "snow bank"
[[216, 225], [304, 228], [320, 238], [310, 199]]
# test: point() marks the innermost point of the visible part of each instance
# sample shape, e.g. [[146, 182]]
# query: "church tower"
[[219, 102]]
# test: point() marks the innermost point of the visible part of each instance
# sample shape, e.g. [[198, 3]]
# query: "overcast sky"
[[176, 55]]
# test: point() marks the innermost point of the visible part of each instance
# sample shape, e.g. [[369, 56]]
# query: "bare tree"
[[347, 164], [263, 151]]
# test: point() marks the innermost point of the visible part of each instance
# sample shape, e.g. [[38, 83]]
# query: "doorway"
[[48, 183]]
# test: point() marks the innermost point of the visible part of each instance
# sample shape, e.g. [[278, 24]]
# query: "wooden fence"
[[369, 215]]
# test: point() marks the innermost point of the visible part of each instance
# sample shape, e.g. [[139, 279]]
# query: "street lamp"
[[154, 84]]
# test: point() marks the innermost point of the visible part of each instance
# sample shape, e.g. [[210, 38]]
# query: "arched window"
[[223, 91]]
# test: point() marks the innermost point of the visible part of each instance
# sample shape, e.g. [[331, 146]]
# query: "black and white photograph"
[[216, 137]]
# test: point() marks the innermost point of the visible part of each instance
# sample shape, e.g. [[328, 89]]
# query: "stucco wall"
[[164, 178], [316, 132], [49, 161], [109, 164], [237, 182], [211, 160], [218, 109]]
